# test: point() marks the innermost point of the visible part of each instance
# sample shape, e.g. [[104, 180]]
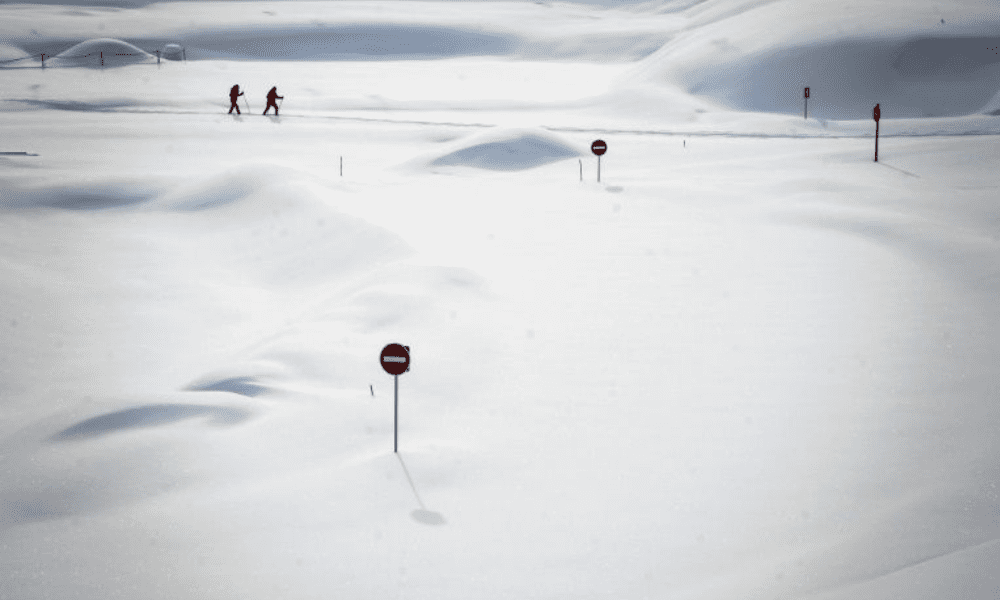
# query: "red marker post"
[[598, 148], [395, 359], [877, 113], [806, 114]]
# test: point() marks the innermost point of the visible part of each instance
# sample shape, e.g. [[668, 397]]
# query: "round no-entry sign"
[[599, 147], [395, 359]]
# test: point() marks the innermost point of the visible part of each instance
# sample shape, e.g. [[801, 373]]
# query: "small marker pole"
[[102, 58], [395, 423], [876, 141], [43, 60], [157, 57], [581, 169], [876, 115], [185, 54], [341, 166]]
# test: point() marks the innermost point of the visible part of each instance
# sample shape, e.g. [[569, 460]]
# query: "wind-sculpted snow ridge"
[[147, 416], [76, 197], [102, 52], [345, 42], [12, 56], [926, 64], [506, 150]]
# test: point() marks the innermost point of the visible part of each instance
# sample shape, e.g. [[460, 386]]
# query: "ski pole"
[[247, 104]]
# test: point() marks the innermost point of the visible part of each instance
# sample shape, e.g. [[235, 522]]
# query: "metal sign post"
[[395, 359], [598, 148], [806, 113], [877, 115]]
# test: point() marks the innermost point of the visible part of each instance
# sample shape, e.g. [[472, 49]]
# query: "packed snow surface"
[[750, 362]]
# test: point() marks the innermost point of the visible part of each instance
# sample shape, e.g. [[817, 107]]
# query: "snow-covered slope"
[[751, 362], [915, 61]]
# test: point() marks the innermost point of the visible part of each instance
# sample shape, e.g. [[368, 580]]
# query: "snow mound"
[[993, 106], [11, 55], [103, 52], [507, 150], [173, 52]]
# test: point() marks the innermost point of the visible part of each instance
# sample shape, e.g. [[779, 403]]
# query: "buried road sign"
[[395, 359], [598, 148]]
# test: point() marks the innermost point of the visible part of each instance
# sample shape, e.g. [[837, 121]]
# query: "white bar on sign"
[[394, 359]]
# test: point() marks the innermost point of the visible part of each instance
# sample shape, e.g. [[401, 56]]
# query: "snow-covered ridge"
[[102, 52], [923, 61], [296, 30]]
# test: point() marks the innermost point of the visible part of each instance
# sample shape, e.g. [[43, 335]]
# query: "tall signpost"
[[598, 148], [877, 114], [806, 113], [395, 359]]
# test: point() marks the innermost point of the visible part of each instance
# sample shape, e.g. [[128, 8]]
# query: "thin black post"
[[876, 141], [102, 58], [395, 421]]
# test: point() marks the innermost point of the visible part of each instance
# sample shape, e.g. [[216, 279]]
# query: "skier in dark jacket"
[[271, 97], [234, 93]]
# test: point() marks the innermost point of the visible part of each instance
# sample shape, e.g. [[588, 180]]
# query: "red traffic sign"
[[877, 113], [807, 92], [395, 359], [599, 147]]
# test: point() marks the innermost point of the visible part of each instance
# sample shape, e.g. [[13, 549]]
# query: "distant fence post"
[[876, 114]]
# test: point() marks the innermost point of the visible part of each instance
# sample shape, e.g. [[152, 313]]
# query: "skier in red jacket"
[[234, 93], [271, 97]]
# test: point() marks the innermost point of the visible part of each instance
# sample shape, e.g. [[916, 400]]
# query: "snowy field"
[[750, 362]]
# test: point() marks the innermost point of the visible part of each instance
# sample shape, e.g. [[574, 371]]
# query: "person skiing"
[[234, 93], [271, 97]]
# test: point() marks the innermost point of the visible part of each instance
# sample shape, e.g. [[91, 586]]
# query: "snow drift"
[[103, 52], [507, 150], [916, 63], [12, 55]]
